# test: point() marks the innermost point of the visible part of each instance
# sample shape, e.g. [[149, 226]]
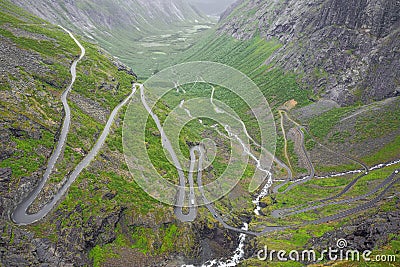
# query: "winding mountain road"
[[20, 215], [285, 213], [181, 194], [310, 165], [316, 204], [385, 185], [285, 148]]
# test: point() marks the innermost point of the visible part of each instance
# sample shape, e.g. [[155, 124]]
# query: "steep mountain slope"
[[347, 50], [95, 17], [104, 213], [301, 63], [284, 46], [126, 28]]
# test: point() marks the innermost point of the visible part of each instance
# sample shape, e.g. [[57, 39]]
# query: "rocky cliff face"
[[362, 234], [347, 50]]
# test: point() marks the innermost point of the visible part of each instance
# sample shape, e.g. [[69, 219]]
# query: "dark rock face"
[[13, 58], [361, 235], [123, 67], [23, 249], [5, 174], [348, 50], [214, 242]]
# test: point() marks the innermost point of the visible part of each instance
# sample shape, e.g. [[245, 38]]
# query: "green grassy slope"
[[30, 104], [31, 115], [248, 57], [141, 33], [376, 124]]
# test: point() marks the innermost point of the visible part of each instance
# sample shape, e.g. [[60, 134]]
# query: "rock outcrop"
[[361, 235]]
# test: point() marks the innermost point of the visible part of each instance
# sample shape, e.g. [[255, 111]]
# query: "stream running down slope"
[[20, 215], [385, 186]]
